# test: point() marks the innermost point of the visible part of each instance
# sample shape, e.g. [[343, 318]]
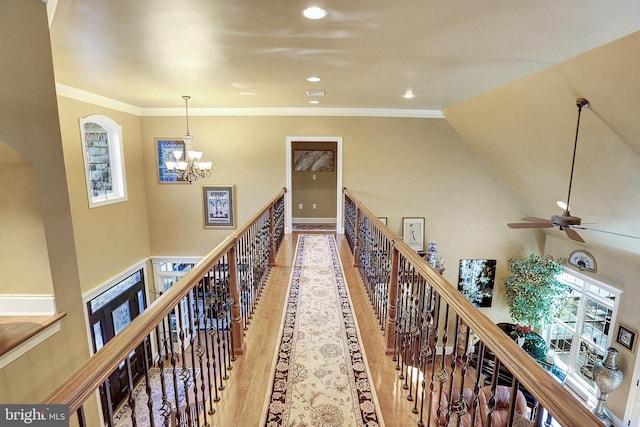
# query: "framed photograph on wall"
[[383, 219], [626, 337], [313, 160], [164, 152], [219, 206], [413, 232], [476, 278]]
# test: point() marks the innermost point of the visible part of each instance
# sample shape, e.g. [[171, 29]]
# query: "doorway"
[[109, 313], [314, 181]]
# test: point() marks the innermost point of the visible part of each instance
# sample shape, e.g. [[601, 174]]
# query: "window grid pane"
[[580, 334], [597, 322], [98, 159]]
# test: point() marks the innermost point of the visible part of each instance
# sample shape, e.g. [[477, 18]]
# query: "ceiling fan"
[[565, 222]]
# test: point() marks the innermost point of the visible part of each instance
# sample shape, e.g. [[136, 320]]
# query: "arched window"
[[103, 160]]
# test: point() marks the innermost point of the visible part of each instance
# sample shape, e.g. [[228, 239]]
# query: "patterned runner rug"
[[314, 227], [321, 376]]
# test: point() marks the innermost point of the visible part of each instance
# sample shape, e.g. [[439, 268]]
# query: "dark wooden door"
[[110, 313]]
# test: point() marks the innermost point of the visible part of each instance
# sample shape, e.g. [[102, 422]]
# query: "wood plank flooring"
[[243, 398]]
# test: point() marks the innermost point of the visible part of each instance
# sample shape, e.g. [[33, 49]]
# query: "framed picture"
[[475, 280], [413, 232], [219, 206], [313, 160], [626, 337], [164, 152], [383, 219]]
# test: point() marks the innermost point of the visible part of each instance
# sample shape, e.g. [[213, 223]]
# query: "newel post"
[[393, 298], [237, 332]]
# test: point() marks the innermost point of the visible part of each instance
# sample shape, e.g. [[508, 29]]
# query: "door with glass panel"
[[109, 314]]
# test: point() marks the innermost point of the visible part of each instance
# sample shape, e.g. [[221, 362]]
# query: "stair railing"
[[455, 364], [190, 335]]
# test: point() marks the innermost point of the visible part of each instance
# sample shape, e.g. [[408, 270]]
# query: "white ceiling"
[[505, 73]]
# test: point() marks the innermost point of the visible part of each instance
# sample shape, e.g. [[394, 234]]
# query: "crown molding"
[[302, 111], [91, 98]]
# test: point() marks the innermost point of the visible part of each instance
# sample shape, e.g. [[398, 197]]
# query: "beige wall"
[[23, 245], [111, 238], [621, 271], [29, 124], [397, 167]]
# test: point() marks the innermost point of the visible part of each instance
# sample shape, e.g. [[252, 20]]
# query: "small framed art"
[[413, 232], [219, 206], [626, 337], [165, 148]]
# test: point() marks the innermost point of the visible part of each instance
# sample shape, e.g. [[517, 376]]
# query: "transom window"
[[103, 159], [580, 335]]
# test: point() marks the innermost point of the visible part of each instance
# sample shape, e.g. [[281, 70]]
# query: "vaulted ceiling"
[[505, 74]]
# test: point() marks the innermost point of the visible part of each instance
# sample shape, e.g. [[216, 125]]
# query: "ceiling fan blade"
[[540, 220], [573, 234], [608, 232], [546, 224]]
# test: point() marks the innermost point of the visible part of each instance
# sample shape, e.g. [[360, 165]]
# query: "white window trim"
[[116, 154], [575, 384]]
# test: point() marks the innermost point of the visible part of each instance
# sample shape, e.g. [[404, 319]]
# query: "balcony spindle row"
[[190, 336], [455, 365]]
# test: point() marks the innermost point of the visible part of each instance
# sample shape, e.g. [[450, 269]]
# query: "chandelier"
[[186, 163]]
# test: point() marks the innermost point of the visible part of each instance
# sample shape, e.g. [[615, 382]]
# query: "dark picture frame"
[[413, 232], [476, 279], [626, 337], [218, 206], [164, 152]]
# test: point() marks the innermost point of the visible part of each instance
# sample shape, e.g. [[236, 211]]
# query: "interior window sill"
[[19, 334]]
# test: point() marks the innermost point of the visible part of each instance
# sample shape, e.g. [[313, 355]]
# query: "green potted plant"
[[533, 293]]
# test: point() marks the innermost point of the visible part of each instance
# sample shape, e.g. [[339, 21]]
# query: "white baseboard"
[[313, 220], [27, 305]]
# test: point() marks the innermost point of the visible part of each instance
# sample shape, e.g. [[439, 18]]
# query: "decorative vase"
[[608, 378], [521, 341]]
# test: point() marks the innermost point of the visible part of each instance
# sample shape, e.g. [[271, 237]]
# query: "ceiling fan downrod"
[[581, 103]]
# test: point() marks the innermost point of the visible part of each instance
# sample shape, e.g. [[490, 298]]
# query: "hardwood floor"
[[243, 399]]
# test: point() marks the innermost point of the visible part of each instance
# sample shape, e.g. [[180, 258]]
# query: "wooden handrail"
[[549, 392], [81, 385]]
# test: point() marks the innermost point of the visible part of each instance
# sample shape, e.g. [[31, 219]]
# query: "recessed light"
[[313, 79], [314, 102], [314, 12], [561, 204], [408, 94]]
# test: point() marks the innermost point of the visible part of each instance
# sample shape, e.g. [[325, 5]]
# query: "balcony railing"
[[189, 336], [456, 365]]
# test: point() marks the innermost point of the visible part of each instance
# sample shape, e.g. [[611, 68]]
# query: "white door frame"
[[288, 226]]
